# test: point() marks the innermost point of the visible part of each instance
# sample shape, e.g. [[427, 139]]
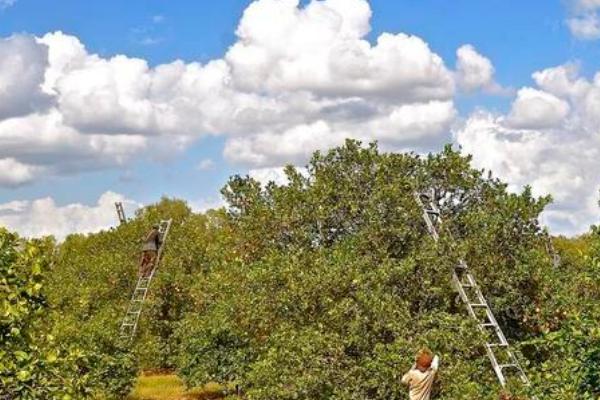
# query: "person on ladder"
[[421, 376], [149, 251]]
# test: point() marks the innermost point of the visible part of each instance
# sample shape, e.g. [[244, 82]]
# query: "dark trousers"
[[147, 262]]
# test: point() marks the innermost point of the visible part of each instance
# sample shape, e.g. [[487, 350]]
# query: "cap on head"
[[155, 226]]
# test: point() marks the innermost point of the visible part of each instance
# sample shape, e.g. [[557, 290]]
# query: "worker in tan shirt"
[[420, 378]]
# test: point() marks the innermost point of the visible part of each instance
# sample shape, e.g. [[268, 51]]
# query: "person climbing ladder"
[[152, 249], [151, 244]]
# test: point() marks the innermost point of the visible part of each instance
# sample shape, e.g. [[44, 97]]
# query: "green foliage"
[[92, 279], [323, 288], [330, 284], [568, 350], [32, 365]]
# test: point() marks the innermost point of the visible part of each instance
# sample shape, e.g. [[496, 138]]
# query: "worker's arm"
[[435, 364], [406, 378], [149, 236]]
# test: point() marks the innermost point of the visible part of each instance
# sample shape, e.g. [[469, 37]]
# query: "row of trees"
[[335, 284], [35, 363], [323, 288]]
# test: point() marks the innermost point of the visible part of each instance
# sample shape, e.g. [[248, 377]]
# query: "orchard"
[[321, 288]]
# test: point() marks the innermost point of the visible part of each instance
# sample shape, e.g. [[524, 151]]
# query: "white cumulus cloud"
[[584, 22], [321, 49], [44, 217], [267, 175], [549, 140], [585, 27], [14, 173], [23, 63], [536, 109], [475, 71], [299, 78]]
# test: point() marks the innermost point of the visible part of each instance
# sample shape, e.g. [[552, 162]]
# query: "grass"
[[158, 387], [170, 387]]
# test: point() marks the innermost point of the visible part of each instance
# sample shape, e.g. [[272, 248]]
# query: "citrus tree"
[[329, 284], [92, 279], [32, 364]]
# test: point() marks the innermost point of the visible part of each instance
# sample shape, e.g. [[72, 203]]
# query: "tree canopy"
[[322, 288]]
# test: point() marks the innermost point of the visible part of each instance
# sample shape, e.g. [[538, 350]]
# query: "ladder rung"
[[516, 366], [127, 324], [488, 325], [496, 344], [478, 305]]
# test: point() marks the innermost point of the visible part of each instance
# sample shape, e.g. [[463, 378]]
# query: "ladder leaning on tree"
[[551, 250], [132, 317], [503, 359], [120, 212]]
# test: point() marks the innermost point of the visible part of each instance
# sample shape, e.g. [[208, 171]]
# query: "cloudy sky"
[[128, 101]]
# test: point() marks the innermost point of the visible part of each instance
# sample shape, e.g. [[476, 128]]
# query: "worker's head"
[[424, 359]]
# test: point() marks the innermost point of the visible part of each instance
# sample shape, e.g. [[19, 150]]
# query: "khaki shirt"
[[152, 241], [421, 383]]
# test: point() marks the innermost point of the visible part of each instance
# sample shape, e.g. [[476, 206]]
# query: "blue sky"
[[517, 38]]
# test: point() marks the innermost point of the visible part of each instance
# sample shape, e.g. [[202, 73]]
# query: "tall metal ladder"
[[130, 321], [498, 350], [552, 252], [120, 212]]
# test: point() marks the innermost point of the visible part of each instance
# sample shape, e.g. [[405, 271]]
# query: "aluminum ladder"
[[120, 213], [552, 252], [132, 317], [503, 359]]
